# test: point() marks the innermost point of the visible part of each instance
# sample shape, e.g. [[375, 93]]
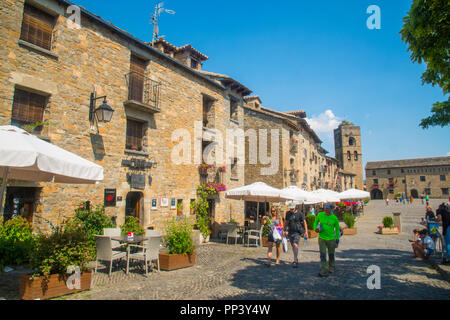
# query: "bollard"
[[397, 220]]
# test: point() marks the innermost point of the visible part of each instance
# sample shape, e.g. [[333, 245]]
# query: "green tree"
[[426, 31]]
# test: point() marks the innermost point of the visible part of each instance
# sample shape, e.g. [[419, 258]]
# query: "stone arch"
[[376, 194]]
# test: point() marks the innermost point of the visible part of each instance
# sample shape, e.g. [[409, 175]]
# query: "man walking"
[[296, 228], [328, 238]]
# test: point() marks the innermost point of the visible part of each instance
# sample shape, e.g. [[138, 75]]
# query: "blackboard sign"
[[138, 181], [110, 197]]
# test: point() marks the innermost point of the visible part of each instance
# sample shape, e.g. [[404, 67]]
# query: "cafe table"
[[134, 240]]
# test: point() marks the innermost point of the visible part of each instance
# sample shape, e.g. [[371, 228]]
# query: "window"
[[374, 173], [402, 171], [233, 109], [389, 171], [28, 108], [136, 79], [135, 135], [442, 177], [427, 191], [234, 168], [349, 156], [351, 141], [194, 64], [356, 155], [404, 181], [391, 191], [37, 27], [422, 178], [444, 191]]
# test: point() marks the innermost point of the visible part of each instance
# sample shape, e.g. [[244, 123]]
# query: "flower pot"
[[349, 231], [393, 230], [265, 241], [54, 286], [203, 239], [170, 262], [312, 234]]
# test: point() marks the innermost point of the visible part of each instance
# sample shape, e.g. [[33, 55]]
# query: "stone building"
[[412, 177], [48, 72], [347, 143]]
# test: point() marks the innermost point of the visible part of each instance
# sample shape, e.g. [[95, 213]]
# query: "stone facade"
[[97, 58], [413, 177]]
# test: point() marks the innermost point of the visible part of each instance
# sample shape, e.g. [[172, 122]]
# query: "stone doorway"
[[134, 206], [415, 194], [376, 194]]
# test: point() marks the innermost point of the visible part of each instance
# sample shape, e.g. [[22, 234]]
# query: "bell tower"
[[347, 144]]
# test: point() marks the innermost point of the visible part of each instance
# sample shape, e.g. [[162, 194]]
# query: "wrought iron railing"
[[143, 89]]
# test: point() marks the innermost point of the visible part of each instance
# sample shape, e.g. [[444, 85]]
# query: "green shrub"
[[349, 220], [366, 201], [266, 230], [178, 237], [310, 218], [16, 242], [64, 247], [132, 225], [388, 222]]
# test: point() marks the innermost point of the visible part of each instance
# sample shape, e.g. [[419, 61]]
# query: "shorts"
[[294, 238]]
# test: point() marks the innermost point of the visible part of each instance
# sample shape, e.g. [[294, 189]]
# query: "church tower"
[[347, 144]]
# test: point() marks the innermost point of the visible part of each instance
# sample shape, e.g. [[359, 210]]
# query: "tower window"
[[349, 156], [356, 156], [351, 141]]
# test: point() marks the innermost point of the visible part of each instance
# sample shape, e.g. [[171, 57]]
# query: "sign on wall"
[[110, 198], [154, 204], [173, 203], [164, 202]]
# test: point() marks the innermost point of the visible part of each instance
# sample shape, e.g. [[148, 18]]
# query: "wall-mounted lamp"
[[154, 164], [103, 113]]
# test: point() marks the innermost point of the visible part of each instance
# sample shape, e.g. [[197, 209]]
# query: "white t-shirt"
[[429, 242]]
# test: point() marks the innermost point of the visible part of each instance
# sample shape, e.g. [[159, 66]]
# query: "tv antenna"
[[159, 8]]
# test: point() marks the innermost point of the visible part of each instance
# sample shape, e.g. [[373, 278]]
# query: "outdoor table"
[[135, 240]]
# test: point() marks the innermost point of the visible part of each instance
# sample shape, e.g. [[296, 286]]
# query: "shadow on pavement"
[[349, 282]]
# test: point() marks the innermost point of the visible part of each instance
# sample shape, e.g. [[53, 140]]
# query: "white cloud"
[[324, 123]]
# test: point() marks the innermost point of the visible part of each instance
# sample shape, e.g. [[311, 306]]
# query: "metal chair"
[[232, 232], [254, 235], [113, 232], [149, 253], [105, 252]]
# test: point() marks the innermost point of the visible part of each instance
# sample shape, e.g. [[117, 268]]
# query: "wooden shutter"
[[135, 131], [37, 27], [28, 107], [137, 75]]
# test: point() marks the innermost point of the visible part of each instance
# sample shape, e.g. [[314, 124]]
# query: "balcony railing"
[[143, 92]]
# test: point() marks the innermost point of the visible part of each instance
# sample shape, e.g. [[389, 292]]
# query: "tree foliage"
[[426, 31]]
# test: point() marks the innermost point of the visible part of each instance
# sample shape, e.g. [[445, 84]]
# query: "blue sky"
[[318, 56]]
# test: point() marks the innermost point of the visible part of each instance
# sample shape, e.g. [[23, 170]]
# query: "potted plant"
[[132, 225], [265, 234], [180, 246], [60, 263], [179, 208], [349, 220], [310, 219], [388, 226]]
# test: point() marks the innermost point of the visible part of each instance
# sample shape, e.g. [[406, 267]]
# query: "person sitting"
[[429, 245], [423, 245]]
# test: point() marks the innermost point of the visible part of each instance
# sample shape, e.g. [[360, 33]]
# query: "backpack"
[[295, 222]]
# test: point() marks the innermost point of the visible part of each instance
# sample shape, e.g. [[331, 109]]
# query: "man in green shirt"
[[328, 238]]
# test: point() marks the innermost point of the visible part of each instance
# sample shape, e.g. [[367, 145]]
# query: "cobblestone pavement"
[[237, 272]]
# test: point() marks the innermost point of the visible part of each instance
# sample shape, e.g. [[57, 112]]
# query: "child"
[[428, 245]]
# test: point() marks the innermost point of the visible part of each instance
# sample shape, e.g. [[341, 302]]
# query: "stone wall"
[[96, 59]]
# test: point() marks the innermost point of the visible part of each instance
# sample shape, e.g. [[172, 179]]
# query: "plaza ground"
[[237, 272]]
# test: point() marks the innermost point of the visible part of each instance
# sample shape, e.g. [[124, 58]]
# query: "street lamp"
[[103, 113]]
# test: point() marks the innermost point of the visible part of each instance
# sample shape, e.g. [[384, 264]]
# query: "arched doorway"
[[415, 194], [376, 194], [134, 206]]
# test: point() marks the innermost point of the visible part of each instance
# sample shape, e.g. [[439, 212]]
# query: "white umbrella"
[[258, 192], [354, 194], [28, 158], [301, 196], [327, 195]]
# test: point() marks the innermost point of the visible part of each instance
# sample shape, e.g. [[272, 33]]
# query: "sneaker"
[[323, 275], [294, 265], [331, 270]]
